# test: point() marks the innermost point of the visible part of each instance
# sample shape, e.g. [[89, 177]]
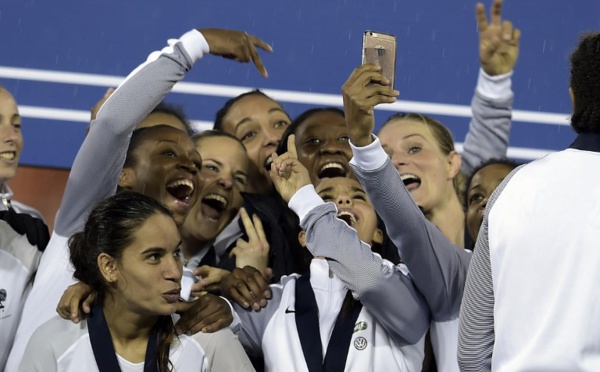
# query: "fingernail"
[[263, 303], [256, 306], [268, 294], [245, 305]]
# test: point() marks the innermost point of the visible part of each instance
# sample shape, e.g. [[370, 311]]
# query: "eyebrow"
[[249, 118], [414, 135], [159, 249], [353, 188], [221, 164]]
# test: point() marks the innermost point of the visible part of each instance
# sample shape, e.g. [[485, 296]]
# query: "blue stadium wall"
[[58, 58]]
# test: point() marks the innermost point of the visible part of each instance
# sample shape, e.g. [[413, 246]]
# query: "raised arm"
[[437, 267], [492, 103], [95, 172], [385, 289]]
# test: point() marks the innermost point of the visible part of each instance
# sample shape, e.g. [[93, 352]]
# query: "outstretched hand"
[[498, 41], [287, 173], [365, 89], [255, 251], [236, 45]]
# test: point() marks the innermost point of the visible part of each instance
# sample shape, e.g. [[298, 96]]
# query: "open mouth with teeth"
[[331, 170], [181, 189], [411, 181], [268, 163], [8, 155], [213, 206], [347, 217]]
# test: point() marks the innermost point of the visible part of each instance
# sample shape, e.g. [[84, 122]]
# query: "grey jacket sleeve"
[[254, 323], [489, 130], [438, 268], [476, 327], [379, 285], [95, 172]]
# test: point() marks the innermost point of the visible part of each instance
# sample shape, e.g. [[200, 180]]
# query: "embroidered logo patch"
[[2, 298], [360, 343], [360, 326]]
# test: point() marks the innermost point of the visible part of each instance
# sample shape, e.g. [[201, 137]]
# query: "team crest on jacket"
[[360, 343], [2, 298], [360, 326]]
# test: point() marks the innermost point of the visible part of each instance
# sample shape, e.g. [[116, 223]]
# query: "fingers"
[[248, 225], [482, 22], [291, 145], [255, 57], [207, 314], [260, 232], [496, 12], [247, 287]]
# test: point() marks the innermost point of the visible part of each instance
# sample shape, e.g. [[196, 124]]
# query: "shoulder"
[[54, 338]]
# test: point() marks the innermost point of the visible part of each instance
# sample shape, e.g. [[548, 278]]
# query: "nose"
[[331, 147], [344, 200], [398, 159], [173, 269], [271, 138], [188, 165], [8, 133], [226, 182], [483, 203]]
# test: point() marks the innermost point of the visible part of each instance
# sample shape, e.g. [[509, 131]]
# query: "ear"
[[378, 236], [454, 163], [302, 238], [127, 178], [572, 98], [108, 267]]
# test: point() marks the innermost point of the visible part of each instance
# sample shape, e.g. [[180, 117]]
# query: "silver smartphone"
[[380, 49]]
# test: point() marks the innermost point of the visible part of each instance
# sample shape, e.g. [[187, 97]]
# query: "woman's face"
[[166, 168], [322, 146], [11, 139], [148, 275], [426, 171], [225, 166], [353, 206], [259, 122], [483, 183]]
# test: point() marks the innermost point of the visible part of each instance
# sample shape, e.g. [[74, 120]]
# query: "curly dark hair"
[[585, 84]]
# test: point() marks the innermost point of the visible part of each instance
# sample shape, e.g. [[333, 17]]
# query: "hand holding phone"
[[380, 49]]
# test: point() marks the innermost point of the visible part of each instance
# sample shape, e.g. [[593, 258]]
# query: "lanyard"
[[307, 323], [104, 351]]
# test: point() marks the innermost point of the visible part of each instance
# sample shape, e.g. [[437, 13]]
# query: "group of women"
[[245, 210]]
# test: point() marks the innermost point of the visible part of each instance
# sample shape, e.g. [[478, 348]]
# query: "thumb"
[[268, 273], [202, 271]]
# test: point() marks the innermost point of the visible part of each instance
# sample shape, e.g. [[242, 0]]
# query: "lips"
[[8, 155], [181, 189], [172, 296], [213, 206], [411, 181], [332, 169], [347, 216], [268, 162]]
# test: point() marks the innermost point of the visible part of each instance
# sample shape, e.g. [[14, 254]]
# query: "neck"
[[450, 219], [191, 245], [129, 330]]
